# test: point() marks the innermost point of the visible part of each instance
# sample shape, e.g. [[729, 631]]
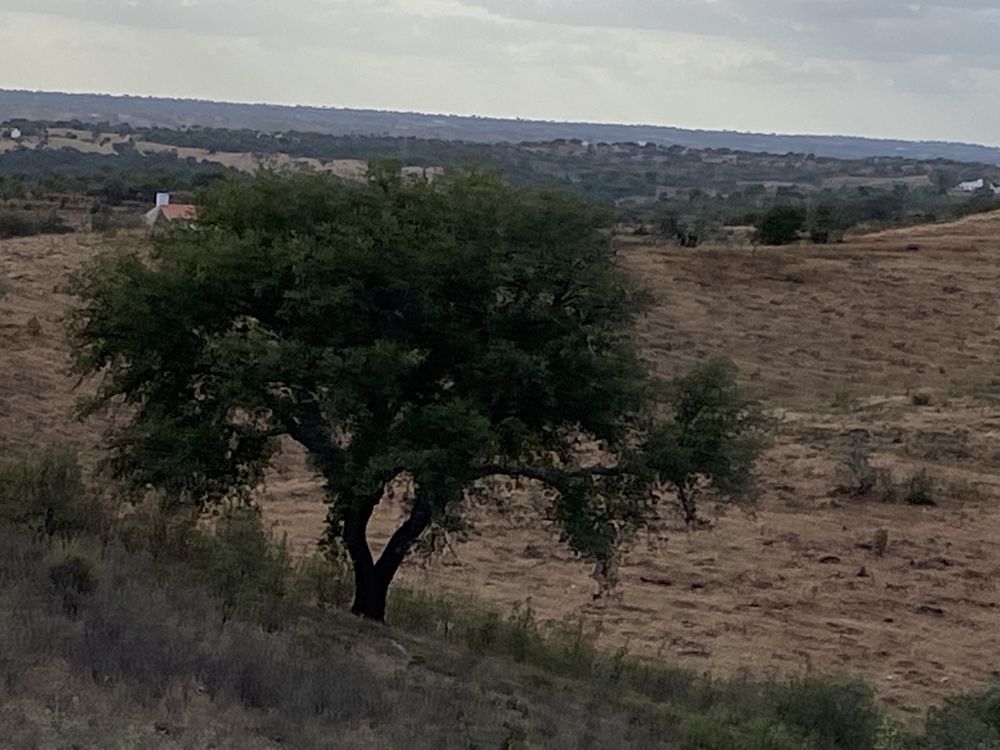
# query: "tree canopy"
[[453, 330]]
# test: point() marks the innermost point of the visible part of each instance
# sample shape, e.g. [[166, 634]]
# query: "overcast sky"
[[865, 67]]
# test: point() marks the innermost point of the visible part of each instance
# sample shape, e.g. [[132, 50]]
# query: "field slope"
[[889, 341]]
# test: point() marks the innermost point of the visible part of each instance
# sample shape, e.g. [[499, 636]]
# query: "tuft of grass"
[[920, 489], [880, 542]]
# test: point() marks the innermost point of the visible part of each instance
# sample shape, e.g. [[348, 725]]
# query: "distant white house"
[[971, 186]]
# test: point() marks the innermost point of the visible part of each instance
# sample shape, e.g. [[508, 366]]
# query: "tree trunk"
[[371, 579], [370, 594]]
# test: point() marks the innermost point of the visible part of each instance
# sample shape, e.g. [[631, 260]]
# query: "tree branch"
[[547, 475], [401, 541]]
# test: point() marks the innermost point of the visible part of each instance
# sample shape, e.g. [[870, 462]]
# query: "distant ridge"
[[174, 113]]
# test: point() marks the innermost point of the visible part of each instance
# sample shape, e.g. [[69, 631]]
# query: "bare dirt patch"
[[838, 341]]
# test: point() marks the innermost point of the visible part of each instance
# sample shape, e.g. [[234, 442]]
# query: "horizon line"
[[506, 118]]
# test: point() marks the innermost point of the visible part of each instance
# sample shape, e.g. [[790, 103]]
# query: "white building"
[[971, 186]]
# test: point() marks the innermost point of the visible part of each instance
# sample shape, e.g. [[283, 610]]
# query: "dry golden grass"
[[835, 340]]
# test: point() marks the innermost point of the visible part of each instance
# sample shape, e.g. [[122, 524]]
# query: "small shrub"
[[250, 571], [836, 713], [165, 533], [921, 398], [841, 400], [881, 542], [34, 327], [888, 736], [47, 493], [73, 578], [920, 489], [324, 582], [780, 225], [14, 224], [861, 479], [966, 722]]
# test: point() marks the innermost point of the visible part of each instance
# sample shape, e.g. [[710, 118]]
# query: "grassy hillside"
[[156, 633], [880, 358]]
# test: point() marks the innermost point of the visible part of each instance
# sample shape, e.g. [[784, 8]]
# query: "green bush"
[[250, 571], [781, 225], [966, 722], [18, 224], [836, 714], [47, 493], [15, 225]]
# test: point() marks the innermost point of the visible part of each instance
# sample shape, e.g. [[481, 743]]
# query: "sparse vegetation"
[[26, 224], [162, 642], [46, 493], [860, 478], [920, 489], [880, 543]]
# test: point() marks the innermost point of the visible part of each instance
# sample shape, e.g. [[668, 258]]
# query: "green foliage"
[[836, 714], [967, 722], [888, 736], [454, 331], [713, 438], [781, 225], [26, 224], [125, 176], [47, 493], [248, 569]]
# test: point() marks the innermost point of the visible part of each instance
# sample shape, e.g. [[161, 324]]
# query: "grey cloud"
[[858, 66], [864, 28]]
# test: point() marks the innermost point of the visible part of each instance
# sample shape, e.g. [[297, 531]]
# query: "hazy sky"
[[866, 67]]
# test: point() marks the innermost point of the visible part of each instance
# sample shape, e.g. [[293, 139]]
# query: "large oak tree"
[[453, 331]]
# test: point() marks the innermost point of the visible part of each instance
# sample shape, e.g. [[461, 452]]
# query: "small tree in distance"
[[451, 331], [712, 439], [781, 225]]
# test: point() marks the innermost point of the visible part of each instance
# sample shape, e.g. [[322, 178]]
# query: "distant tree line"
[[127, 176], [686, 193]]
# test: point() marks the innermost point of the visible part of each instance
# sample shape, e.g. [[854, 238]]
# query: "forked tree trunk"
[[372, 579]]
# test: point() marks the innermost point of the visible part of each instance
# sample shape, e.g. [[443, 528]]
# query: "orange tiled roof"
[[179, 212]]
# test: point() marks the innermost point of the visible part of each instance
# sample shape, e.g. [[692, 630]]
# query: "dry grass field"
[[891, 341]]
